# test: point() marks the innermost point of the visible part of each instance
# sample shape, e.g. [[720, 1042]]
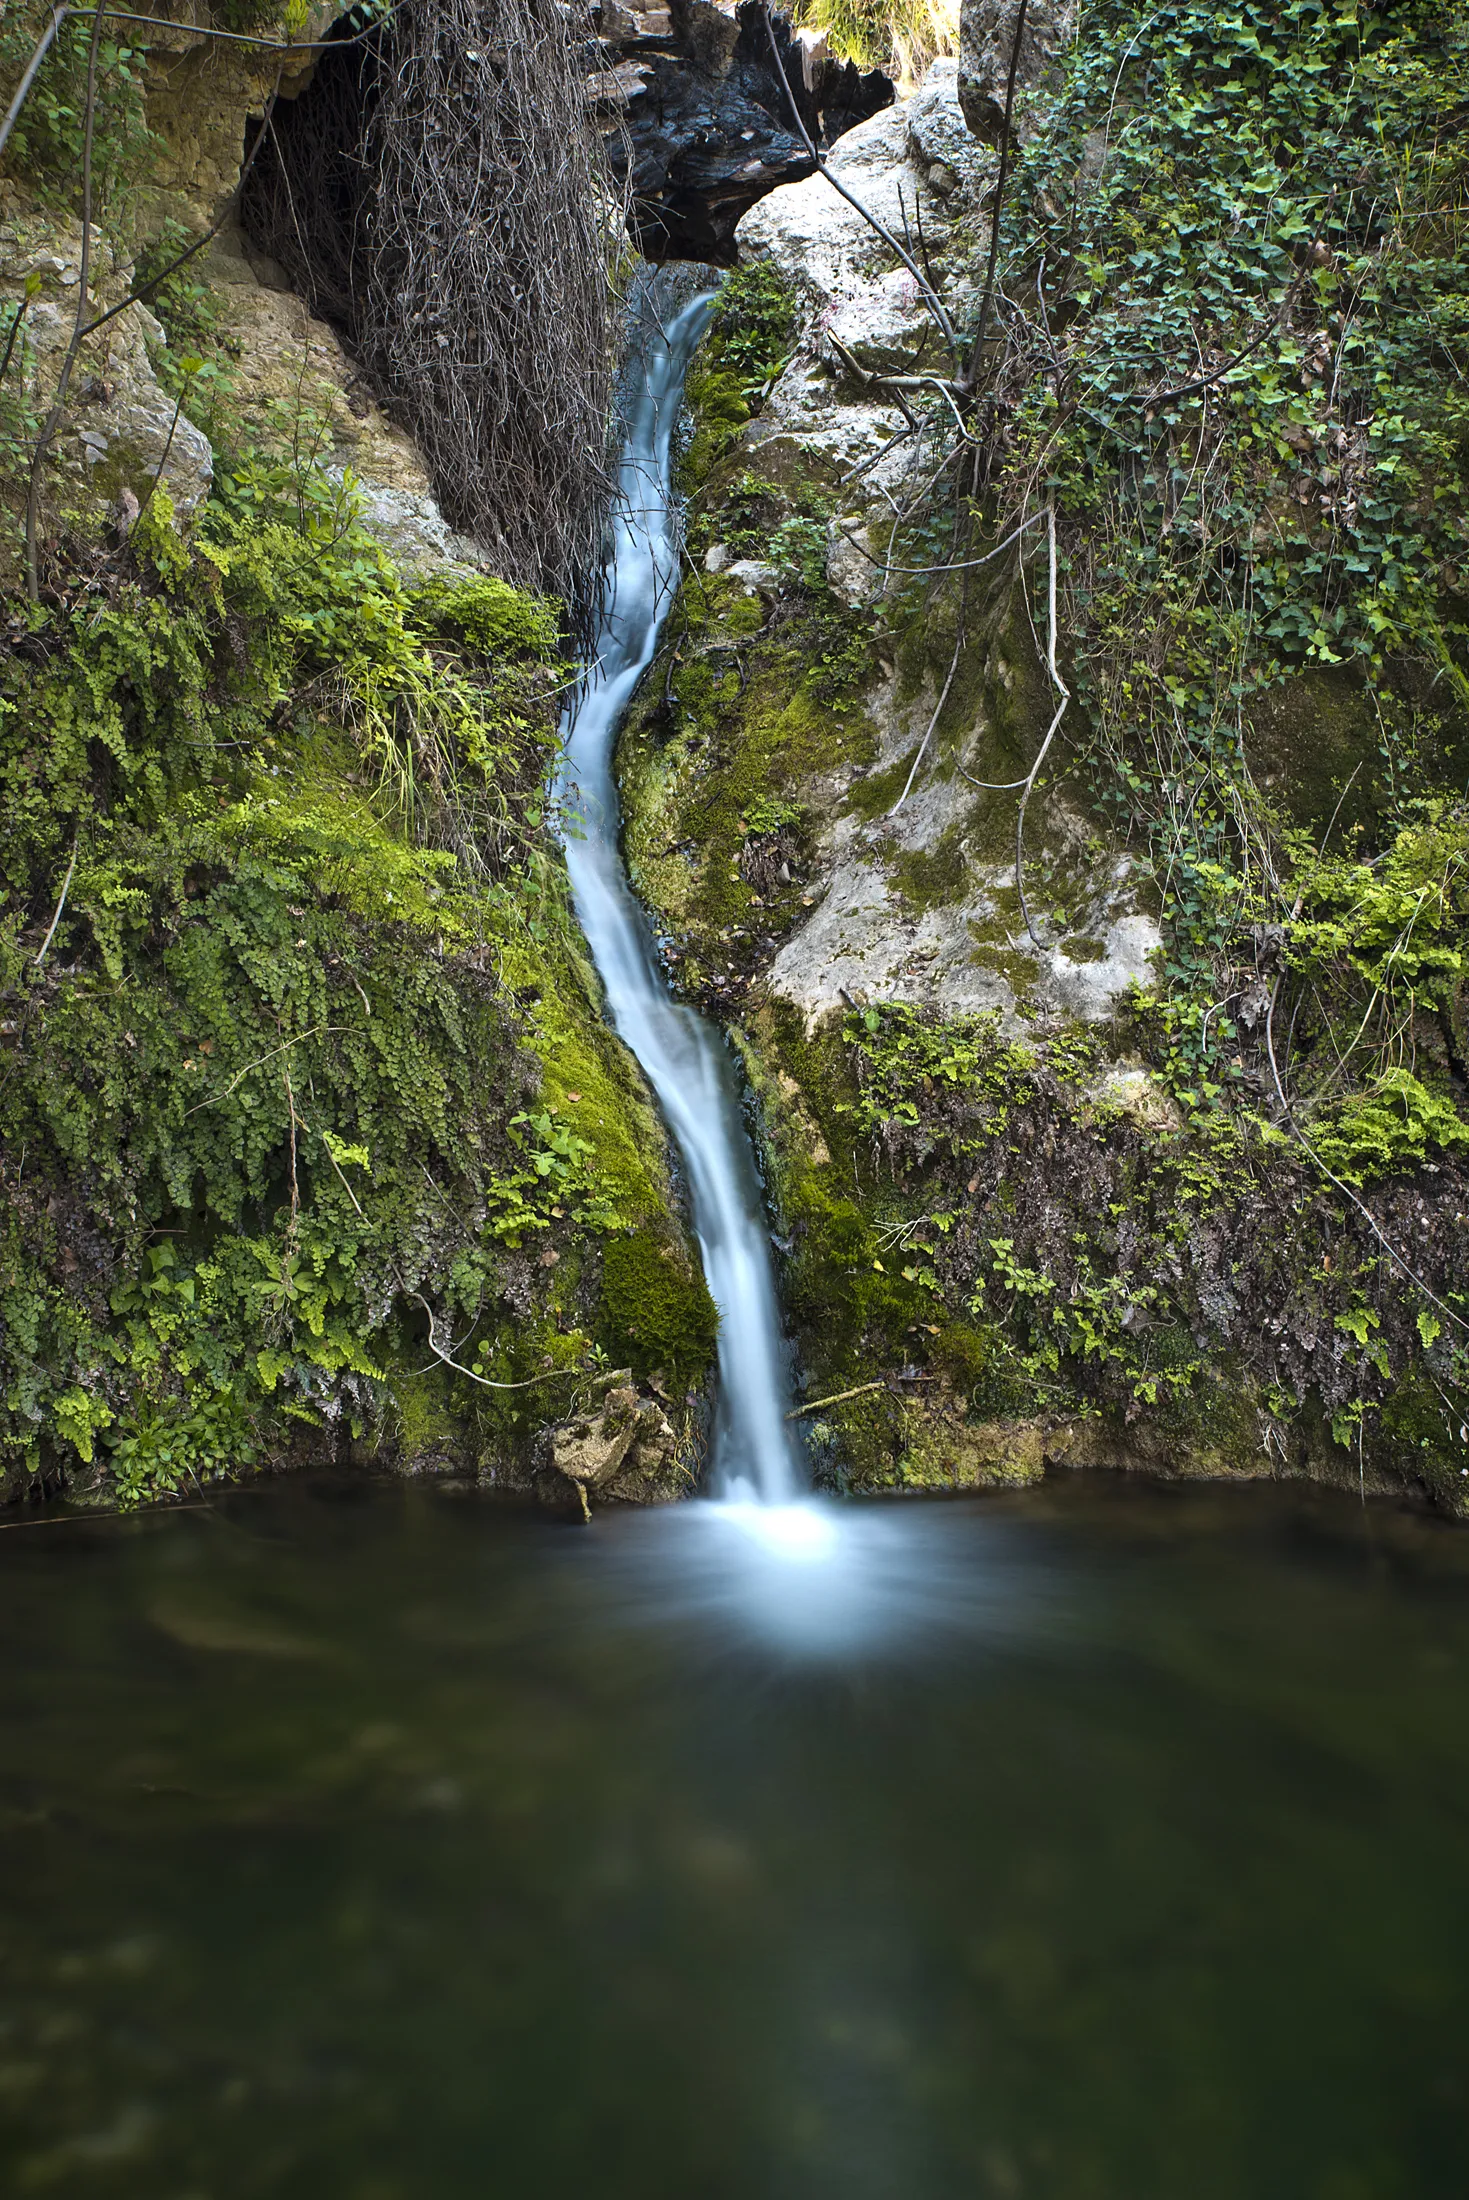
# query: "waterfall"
[[687, 1061]]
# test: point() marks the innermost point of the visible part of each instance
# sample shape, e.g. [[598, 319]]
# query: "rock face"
[[284, 357], [704, 126], [870, 937], [987, 45], [123, 436]]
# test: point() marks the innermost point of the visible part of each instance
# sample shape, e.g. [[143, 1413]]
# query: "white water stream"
[[686, 1060]]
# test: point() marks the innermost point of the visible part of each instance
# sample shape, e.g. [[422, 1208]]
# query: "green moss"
[[873, 794], [1416, 1436], [931, 877], [309, 1087], [944, 1451], [657, 1315], [589, 1078], [749, 339], [694, 771], [428, 1421]]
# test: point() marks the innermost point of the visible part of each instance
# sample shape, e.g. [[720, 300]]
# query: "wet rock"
[[623, 1438], [705, 127], [944, 1450]]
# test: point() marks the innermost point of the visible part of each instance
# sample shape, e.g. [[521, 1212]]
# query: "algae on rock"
[[1169, 1175]]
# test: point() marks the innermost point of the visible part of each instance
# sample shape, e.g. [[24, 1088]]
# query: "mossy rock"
[[657, 1315], [1312, 745], [947, 1452]]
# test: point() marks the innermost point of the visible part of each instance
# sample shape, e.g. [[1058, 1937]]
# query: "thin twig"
[[486, 1381], [158, 469], [817, 1404], [245, 38], [12, 112], [72, 1520], [14, 331], [954, 565], [317, 1031], [61, 903], [1061, 707], [938, 710], [930, 296], [970, 369]]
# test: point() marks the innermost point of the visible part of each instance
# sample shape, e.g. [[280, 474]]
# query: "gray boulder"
[[986, 44]]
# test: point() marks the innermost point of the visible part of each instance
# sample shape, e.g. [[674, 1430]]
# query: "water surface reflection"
[[1092, 1844], [824, 1580]]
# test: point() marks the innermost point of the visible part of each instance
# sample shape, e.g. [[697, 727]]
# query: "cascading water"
[[686, 1060]]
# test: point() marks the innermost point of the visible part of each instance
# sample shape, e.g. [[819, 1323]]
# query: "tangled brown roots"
[[439, 190], [487, 319]]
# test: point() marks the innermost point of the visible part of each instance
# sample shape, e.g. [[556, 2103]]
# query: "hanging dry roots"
[[487, 318], [441, 193]]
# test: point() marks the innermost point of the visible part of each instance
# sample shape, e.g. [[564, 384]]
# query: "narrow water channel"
[[686, 1060]]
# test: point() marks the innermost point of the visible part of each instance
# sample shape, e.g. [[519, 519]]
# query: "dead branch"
[[489, 237], [1061, 708], [970, 369]]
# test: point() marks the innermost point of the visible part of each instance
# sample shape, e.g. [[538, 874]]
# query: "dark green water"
[[372, 1844]]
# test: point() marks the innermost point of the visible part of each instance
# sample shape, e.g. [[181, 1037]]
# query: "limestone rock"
[[414, 532], [986, 42], [1136, 1092], [624, 1439], [122, 435], [200, 92], [868, 938], [815, 236], [286, 362], [939, 134], [864, 943], [753, 576]]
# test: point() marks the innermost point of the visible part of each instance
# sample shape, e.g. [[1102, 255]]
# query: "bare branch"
[[930, 296], [22, 90]]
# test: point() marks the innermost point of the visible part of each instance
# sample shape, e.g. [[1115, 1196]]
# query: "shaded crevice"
[[438, 191], [305, 197], [434, 191]]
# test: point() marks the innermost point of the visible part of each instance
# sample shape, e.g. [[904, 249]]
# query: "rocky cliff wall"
[[1083, 1178]]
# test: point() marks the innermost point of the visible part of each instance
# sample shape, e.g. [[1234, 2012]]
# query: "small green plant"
[[46, 143], [901, 36], [287, 1094]]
